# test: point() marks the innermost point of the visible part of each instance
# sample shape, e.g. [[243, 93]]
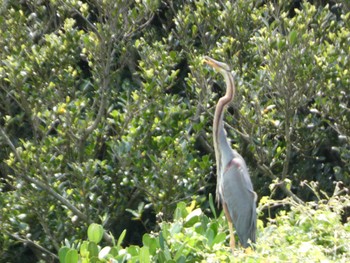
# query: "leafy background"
[[106, 112]]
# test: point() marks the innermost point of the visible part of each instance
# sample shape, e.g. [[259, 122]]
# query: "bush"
[[106, 111], [310, 232]]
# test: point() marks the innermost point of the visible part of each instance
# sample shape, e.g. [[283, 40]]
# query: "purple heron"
[[234, 189]]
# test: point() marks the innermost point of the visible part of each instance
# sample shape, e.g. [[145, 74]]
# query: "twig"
[[282, 184], [32, 244]]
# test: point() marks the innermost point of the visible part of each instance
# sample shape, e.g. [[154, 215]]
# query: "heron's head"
[[218, 66]]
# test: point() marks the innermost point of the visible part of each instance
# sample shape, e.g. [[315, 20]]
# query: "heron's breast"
[[233, 162]]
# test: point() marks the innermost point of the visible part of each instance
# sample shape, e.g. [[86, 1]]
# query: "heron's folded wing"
[[240, 200]]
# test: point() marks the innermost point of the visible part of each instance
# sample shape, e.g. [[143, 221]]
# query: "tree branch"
[[281, 185], [45, 187], [32, 244]]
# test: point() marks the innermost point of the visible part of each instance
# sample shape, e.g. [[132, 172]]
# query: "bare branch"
[[281, 185], [32, 244]]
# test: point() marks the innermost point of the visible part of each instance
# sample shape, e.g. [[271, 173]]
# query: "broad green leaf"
[[84, 249], [150, 242], [179, 252], [95, 233], [219, 238], [176, 228], [144, 255], [210, 236], [62, 254], [133, 250], [114, 251], [180, 211], [193, 217], [146, 239], [181, 259], [71, 256], [93, 249], [161, 256]]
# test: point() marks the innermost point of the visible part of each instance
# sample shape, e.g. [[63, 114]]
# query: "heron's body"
[[234, 189]]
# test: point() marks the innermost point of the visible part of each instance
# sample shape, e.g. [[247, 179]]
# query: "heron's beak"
[[211, 62]]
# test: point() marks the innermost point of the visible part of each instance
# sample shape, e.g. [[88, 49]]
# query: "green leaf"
[[137, 43], [144, 255], [146, 239], [93, 249], [71, 256], [181, 259], [193, 217], [114, 251], [180, 211], [133, 250], [179, 252], [211, 204], [150, 242], [176, 228], [161, 240], [62, 253], [281, 44], [219, 238], [173, 54], [210, 236], [161, 256], [121, 238], [84, 249], [95, 233], [288, 183], [293, 37]]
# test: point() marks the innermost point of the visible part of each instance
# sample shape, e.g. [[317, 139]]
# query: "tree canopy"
[[105, 125]]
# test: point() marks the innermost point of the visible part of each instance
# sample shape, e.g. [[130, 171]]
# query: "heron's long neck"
[[223, 101], [219, 135]]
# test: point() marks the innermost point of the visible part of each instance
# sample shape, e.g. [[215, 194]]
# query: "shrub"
[[310, 232], [106, 110]]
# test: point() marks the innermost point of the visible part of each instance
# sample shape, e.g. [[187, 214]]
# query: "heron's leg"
[[232, 238], [229, 221]]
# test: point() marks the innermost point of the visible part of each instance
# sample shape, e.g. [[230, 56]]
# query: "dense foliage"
[[305, 234], [105, 118]]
